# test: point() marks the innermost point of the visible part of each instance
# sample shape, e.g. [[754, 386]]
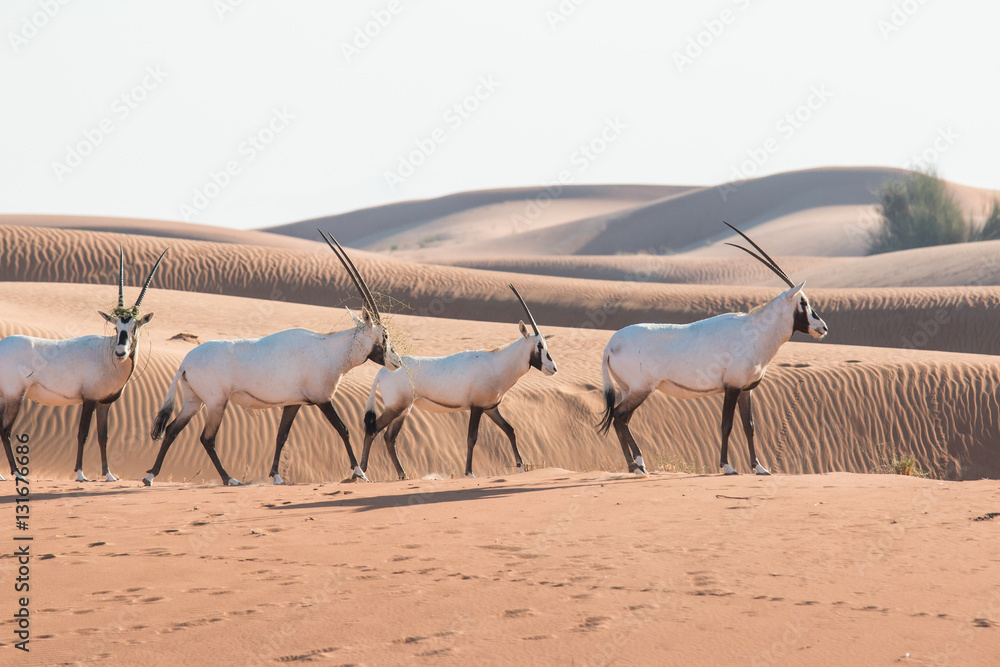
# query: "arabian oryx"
[[289, 369], [727, 354], [475, 380], [92, 370]]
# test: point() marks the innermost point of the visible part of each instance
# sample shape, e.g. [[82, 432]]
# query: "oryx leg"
[[508, 430], [746, 413], [331, 415], [390, 443], [10, 409], [190, 408], [728, 410], [475, 414], [213, 420], [620, 419], [387, 417], [287, 417], [81, 437], [103, 409]]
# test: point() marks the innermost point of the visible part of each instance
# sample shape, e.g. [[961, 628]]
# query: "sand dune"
[[823, 407], [406, 223], [158, 228], [934, 318], [965, 264]]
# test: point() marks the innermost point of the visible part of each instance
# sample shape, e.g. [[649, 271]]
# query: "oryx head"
[[370, 323], [540, 357], [805, 320], [127, 321]]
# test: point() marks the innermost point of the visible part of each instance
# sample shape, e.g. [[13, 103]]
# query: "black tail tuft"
[[609, 412], [370, 422], [160, 423]]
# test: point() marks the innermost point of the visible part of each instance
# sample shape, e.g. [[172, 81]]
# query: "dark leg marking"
[[620, 419], [212, 423], [728, 410], [384, 420], [287, 417], [494, 414], [10, 410], [475, 415], [390, 444], [102, 436], [173, 430], [86, 415], [746, 413], [331, 415]]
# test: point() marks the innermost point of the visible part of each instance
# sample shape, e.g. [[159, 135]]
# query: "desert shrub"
[[990, 230], [916, 212]]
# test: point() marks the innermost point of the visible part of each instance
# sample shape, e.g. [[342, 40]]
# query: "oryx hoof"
[[277, 480], [148, 480], [761, 470], [360, 474], [110, 477], [520, 468], [20, 477], [233, 482], [728, 470], [80, 477], [470, 475], [2, 478]]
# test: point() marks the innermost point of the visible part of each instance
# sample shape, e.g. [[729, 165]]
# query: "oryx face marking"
[[807, 321], [540, 357], [126, 333]]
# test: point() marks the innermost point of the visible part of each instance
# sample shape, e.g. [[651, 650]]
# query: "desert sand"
[[574, 561]]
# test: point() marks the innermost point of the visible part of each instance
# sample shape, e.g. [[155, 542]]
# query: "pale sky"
[[137, 109]]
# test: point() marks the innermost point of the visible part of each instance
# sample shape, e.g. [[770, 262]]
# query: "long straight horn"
[[765, 260], [149, 279], [533, 325], [355, 275], [121, 276]]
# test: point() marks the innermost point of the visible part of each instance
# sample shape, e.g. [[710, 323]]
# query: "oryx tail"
[[370, 407], [609, 395], [167, 409]]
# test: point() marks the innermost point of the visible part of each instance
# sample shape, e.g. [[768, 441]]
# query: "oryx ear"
[[357, 320], [107, 317], [366, 316], [549, 336], [144, 320], [523, 329], [795, 291]]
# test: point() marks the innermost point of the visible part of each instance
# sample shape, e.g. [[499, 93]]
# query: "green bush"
[[991, 228], [916, 212]]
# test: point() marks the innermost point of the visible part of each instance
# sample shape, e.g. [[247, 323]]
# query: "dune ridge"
[[934, 318]]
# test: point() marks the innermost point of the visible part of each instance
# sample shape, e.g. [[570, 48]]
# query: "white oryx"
[[727, 354], [289, 369], [475, 380], [89, 370]]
